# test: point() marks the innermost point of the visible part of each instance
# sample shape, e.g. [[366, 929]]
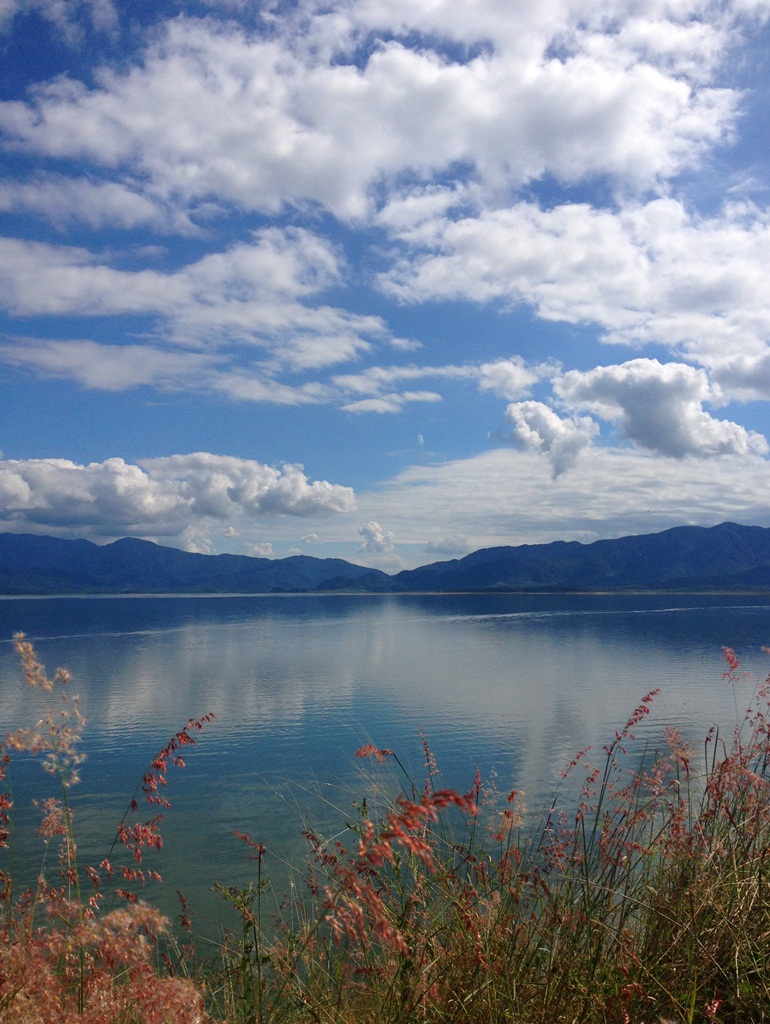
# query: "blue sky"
[[383, 280]]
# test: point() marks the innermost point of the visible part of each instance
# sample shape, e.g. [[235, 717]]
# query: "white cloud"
[[174, 368], [508, 378], [652, 273], [261, 122], [217, 483], [376, 379], [119, 367], [376, 539], [66, 202], [520, 30], [447, 130], [259, 295], [511, 378], [405, 211], [658, 407], [505, 496], [390, 403], [536, 427], [453, 545], [250, 385], [109, 367], [8, 8], [195, 539], [263, 550], [744, 376], [64, 15], [286, 265], [160, 497]]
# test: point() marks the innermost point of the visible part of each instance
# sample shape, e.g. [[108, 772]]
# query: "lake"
[[514, 684]]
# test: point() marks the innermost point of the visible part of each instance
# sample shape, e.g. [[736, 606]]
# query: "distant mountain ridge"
[[724, 557], [31, 564], [728, 556]]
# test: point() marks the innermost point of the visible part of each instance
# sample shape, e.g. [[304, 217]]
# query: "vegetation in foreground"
[[650, 900]]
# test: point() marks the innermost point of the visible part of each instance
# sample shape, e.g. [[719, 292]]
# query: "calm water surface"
[[517, 684]]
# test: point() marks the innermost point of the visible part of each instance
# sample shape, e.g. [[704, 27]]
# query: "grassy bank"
[[646, 896]]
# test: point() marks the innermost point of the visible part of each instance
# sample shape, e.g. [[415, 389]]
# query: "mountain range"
[[724, 557]]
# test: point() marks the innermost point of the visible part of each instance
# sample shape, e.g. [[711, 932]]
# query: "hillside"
[[725, 557], [48, 565], [686, 557]]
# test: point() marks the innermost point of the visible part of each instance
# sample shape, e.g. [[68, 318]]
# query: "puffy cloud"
[[376, 540], [455, 544], [658, 407], [161, 497], [425, 123], [58, 492], [218, 483], [645, 273], [744, 376], [265, 121], [263, 550], [536, 427], [510, 378], [681, 26]]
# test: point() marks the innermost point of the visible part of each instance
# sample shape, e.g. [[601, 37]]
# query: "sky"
[[383, 280]]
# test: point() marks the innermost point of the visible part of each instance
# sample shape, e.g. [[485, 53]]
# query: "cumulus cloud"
[[261, 122], [455, 544], [376, 539], [569, 90], [650, 273], [536, 427], [263, 550], [161, 497], [216, 483], [745, 376], [658, 406], [510, 378], [447, 132]]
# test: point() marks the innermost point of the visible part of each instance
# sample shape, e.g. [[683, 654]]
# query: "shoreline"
[[657, 592]]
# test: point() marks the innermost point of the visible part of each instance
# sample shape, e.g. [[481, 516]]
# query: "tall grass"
[[69, 953], [643, 895]]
